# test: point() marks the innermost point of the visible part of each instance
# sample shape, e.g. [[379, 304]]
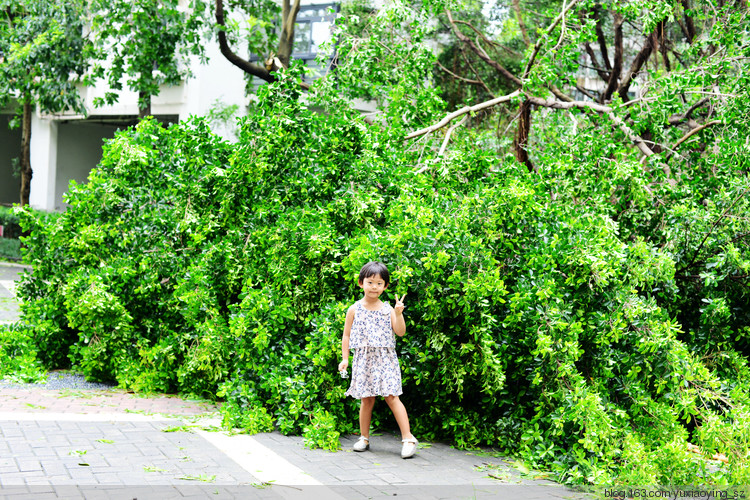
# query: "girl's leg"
[[399, 411], [365, 415]]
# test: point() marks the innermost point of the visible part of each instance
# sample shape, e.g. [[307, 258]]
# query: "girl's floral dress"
[[375, 369]]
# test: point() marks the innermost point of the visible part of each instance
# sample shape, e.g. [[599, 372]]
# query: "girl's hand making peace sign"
[[399, 307]]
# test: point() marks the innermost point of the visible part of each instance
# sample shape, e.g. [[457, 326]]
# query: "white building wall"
[[43, 162], [68, 146], [219, 81]]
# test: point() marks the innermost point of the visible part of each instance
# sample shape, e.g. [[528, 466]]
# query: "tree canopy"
[[44, 53], [144, 44]]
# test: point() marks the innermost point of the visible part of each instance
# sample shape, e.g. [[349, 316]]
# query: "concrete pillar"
[[43, 163]]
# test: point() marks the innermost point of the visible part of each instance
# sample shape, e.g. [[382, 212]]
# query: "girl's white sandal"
[[409, 448], [362, 444]]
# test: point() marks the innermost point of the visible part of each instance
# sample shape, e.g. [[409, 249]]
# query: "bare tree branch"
[[476, 74], [466, 109], [602, 40], [448, 134], [695, 131], [457, 77], [521, 24], [716, 223], [599, 71], [275, 61], [586, 92], [246, 66], [689, 25], [663, 48], [677, 119], [634, 138], [556, 104], [286, 42], [599, 108], [547, 103], [481, 53], [638, 62], [559, 94], [541, 40], [614, 75], [479, 33], [522, 136]]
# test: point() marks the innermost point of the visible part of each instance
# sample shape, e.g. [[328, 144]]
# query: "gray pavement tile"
[[11, 431], [12, 272], [51, 467], [20, 448], [390, 478], [89, 462], [28, 465], [13, 478]]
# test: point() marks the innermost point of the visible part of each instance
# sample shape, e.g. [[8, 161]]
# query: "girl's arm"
[[397, 317], [345, 339]]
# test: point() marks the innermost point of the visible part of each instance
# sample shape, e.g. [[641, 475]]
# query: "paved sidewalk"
[[110, 444]]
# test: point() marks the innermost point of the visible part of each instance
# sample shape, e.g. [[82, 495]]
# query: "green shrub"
[[18, 362], [539, 319]]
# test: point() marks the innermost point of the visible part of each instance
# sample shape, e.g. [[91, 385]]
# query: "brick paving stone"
[[123, 463], [28, 465], [390, 478]]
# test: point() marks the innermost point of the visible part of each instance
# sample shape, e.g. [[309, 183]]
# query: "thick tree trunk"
[[522, 135], [662, 41], [601, 39], [638, 62], [274, 62], [144, 105], [689, 24], [26, 172], [614, 75], [286, 41]]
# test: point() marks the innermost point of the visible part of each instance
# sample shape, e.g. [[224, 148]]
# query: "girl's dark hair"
[[373, 268]]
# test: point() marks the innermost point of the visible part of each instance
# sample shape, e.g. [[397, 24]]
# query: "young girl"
[[368, 329]]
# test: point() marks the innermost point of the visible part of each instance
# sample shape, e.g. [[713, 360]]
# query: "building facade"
[[68, 146]]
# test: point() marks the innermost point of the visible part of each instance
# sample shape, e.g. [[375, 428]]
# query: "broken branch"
[[466, 109], [695, 131]]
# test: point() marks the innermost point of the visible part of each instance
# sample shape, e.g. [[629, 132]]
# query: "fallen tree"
[[587, 316]]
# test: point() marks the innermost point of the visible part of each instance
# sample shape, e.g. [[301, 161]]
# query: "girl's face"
[[373, 286]]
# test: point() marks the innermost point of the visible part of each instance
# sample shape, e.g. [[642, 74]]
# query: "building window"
[[312, 29]]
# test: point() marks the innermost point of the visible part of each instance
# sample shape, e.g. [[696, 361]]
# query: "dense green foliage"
[[18, 360], [44, 53], [10, 245], [588, 315], [146, 44], [10, 249], [536, 322]]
